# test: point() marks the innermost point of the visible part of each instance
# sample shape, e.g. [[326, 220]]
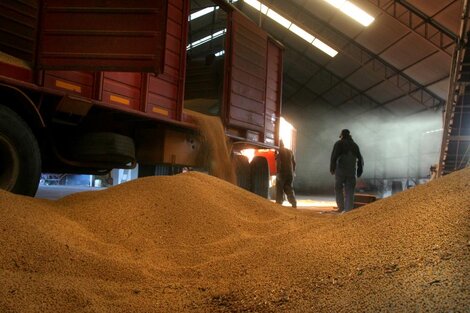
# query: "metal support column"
[[455, 147]]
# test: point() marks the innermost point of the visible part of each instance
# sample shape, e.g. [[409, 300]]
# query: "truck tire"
[[20, 157], [168, 170], [103, 147], [159, 170], [242, 170], [259, 169], [145, 170]]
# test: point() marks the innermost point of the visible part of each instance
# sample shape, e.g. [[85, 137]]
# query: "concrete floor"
[[54, 192], [321, 204]]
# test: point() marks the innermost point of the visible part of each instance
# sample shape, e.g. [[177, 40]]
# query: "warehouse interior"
[[388, 83], [398, 84], [184, 239]]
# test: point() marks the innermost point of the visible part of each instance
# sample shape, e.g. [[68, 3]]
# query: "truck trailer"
[[87, 86]]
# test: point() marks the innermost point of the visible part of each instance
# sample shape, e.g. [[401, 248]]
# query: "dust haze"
[[399, 148]]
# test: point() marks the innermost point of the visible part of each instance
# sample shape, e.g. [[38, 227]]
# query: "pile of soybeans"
[[195, 243]]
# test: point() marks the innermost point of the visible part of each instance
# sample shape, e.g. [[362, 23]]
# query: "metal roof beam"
[[354, 94], [366, 58], [419, 23], [353, 116], [456, 105], [418, 94]]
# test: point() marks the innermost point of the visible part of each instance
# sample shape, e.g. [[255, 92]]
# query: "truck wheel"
[[104, 147], [242, 170], [259, 169], [20, 157], [146, 170], [159, 170], [167, 170]]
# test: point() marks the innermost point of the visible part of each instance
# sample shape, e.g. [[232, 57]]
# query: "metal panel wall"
[[18, 22], [116, 35], [122, 89], [70, 82], [166, 90], [273, 92], [248, 52]]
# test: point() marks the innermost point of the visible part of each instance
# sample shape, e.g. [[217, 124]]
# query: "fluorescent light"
[[353, 11], [202, 12], [301, 33], [220, 53], [324, 47], [205, 11], [278, 18], [206, 39], [219, 33], [257, 5], [292, 27], [357, 13], [336, 3], [264, 9]]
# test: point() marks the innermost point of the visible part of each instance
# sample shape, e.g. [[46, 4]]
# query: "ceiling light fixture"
[[206, 39], [202, 12], [205, 11], [301, 33], [279, 19], [353, 11], [324, 47], [292, 27]]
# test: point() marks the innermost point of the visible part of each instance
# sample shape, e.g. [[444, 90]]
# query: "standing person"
[[433, 172], [285, 162], [344, 157]]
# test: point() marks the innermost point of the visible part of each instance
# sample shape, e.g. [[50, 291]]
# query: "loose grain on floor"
[[195, 243]]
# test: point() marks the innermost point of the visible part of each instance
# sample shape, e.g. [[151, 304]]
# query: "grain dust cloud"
[[195, 243], [216, 150], [396, 148]]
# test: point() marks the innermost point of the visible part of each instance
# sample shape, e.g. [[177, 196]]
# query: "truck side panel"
[[18, 20], [93, 35], [159, 95], [248, 74], [273, 92], [122, 89], [70, 82], [166, 90]]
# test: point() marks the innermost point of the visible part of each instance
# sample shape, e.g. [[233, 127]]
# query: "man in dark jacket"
[[285, 162], [344, 157]]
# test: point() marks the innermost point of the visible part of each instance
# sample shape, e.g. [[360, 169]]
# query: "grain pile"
[[9, 59], [195, 243]]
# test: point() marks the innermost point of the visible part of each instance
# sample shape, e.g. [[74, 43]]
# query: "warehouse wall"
[[393, 147]]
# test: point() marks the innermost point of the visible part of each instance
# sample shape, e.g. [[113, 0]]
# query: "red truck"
[[91, 85]]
